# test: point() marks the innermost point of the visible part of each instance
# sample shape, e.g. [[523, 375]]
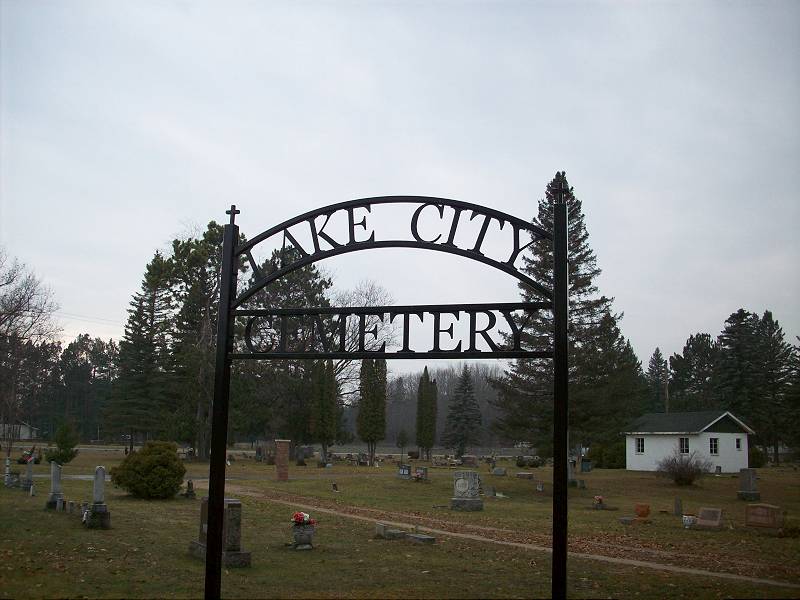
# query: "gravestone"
[[677, 508], [60, 505], [499, 471], [525, 475], [421, 473], [420, 538], [71, 507], [489, 491], [469, 460], [404, 472], [190, 493], [747, 486], [380, 530], [98, 516], [282, 459], [767, 516], [540, 486], [7, 473], [28, 481], [708, 518], [466, 487], [232, 553], [55, 486]]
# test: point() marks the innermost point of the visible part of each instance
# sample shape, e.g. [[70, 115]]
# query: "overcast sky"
[[126, 124]]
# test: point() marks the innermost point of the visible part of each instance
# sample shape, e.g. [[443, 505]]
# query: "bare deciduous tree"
[[366, 293], [26, 311]]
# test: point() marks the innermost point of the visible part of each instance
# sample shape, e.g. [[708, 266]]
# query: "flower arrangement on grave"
[[597, 500], [301, 519], [303, 530]]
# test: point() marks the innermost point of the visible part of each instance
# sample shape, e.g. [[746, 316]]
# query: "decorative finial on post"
[[561, 178], [232, 212]]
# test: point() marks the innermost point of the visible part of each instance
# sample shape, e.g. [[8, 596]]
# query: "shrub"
[[683, 469], [65, 438], [153, 472], [614, 455], [595, 455], [756, 457]]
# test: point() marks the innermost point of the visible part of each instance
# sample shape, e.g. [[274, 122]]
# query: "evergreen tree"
[[657, 377], [325, 411], [772, 413], [525, 398], [463, 425], [427, 398], [371, 420], [792, 416], [611, 388], [737, 374], [693, 385], [140, 398]]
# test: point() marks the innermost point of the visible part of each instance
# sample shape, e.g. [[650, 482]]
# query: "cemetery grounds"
[[496, 553]]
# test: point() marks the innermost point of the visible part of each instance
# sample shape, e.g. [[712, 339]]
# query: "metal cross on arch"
[[361, 234]]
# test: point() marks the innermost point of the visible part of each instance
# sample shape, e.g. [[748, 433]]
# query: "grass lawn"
[[145, 554]]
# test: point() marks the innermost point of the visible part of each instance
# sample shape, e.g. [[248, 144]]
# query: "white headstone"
[[98, 491]]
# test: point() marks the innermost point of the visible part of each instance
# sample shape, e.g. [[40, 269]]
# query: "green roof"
[[686, 422]]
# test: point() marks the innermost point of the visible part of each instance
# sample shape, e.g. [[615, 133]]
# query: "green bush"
[[153, 472], [595, 455], [614, 455], [65, 438], [756, 457]]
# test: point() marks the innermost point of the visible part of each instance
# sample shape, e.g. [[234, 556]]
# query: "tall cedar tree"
[[325, 417], [371, 419], [463, 424], [772, 413], [692, 386], [140, 395], [427, 398], [273, 398], [525, 398], [656, 382], [737, 373], [792, 438]]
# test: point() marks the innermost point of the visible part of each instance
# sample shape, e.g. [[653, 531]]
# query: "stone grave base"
[[52, 501], [466, 504], [749, 496], [26, 484], [98, 517], [229, 559]]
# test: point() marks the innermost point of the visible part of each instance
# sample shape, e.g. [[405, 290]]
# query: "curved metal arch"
[[244, 249], [332, 208]]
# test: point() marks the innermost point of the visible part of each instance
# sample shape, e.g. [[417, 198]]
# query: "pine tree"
[[772, 412], [737, 374], [140, 396], [371, 419], [656, 381], [693, 385], [462, 427], [525, 398], [324, 406], [427, 398]]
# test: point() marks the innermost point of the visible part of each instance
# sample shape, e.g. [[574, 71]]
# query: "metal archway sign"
[[330, 323]]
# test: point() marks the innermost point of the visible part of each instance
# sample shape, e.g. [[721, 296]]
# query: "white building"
[[717, 436]]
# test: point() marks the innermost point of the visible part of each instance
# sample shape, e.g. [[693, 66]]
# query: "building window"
[[684, 443], [738, 443], [713, 445], [639, 445]]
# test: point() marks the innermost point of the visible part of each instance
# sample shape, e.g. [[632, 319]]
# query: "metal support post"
[[219, 418], [560, 394]]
